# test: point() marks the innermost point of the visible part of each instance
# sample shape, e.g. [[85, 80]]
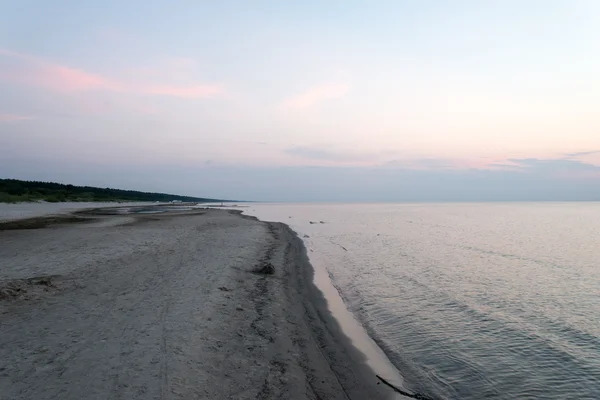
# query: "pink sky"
[[494, 128], [448, 88]]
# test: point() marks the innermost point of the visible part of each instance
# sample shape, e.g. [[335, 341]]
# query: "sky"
[[388, 100]]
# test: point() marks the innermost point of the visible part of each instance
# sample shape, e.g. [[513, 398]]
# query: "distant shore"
[[195, 304], [16, 190]]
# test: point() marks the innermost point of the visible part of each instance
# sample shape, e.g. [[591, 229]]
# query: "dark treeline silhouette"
[[14, 190]]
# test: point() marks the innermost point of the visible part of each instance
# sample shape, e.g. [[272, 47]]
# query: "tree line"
[[14, 190]]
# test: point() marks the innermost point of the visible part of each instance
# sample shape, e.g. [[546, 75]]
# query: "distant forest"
[[13, 191]]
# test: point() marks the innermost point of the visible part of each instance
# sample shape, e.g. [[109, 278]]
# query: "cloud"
[[389, 160], [555, 168], [548, 165], [24, 69], [29, 70], [316, 95], [582, 153], [14, 117]]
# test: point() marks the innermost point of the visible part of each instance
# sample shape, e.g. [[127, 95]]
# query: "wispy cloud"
[[558, 168], [582, 153], [553, 164], [30, 70], [24, 69], [14, 117], [316, 94], [399, 160]]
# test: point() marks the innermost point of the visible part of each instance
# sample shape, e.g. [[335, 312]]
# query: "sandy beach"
[[169, 306]]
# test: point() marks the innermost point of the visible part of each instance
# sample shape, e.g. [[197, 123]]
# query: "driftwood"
[[417, 396]]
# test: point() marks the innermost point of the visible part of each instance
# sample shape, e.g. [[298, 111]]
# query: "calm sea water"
[[468, 301]]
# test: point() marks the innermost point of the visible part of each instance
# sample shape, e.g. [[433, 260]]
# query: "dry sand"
[[168, 307]]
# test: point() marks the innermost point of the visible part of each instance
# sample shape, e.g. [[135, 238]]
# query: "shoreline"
[[372, 354], [348, 363], [260, 335]]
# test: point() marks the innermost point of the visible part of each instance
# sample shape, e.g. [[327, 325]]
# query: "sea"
[[467, 300]]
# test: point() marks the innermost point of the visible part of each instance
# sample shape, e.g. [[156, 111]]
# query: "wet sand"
[[169, 306], [19, 211]]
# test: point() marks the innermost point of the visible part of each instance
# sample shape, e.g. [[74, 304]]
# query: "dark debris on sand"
[[15, 288], [266, 268]]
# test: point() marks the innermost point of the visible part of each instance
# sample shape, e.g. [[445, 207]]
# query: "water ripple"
[[472, 301]]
